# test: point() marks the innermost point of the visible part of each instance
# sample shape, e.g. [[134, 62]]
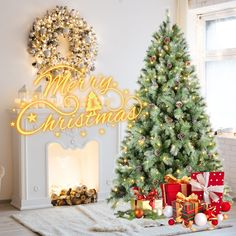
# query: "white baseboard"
[[31, 204]]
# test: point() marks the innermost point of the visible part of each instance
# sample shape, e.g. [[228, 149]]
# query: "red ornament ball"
[[138, 213], [171, 221], [225, 206], [214, 222]]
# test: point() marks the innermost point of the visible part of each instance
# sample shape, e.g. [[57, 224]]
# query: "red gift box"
[[170, 190], [209, 186], [185, 208], [188, 210]]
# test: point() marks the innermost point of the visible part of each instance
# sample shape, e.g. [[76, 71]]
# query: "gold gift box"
[[141, 204], [144, 204]]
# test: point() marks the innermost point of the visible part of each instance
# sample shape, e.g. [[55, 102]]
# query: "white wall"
[[123, 28], [226, 144]]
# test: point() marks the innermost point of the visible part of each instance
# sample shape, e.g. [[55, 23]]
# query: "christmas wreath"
[[61, 22]]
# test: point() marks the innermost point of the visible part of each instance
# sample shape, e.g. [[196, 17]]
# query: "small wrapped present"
[[173, 186], [159, 206], [146, 202], [185, 208], [145, 205], [140, 204], [209, 186]]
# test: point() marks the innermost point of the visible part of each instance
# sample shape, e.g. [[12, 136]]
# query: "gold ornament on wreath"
[[62, 25]]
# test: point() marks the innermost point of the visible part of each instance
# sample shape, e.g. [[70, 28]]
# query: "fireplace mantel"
[[30, 163]]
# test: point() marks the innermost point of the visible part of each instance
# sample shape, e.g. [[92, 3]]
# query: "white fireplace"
[[43, 160]]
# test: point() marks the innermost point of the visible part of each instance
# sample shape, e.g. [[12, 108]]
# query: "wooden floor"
[[9, 227]]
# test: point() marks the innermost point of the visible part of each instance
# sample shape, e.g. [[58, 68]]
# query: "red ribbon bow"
[[151, 197]]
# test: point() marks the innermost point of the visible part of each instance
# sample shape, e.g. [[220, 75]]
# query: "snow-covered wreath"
[[61, 22]]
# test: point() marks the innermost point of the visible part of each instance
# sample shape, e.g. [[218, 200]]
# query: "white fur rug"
[[91, 219]]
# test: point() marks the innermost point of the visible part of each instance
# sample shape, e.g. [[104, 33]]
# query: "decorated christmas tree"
[[173, 134]]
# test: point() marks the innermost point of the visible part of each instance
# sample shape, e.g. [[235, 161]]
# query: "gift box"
[[172, 187], [159, 206], [185, 208], [146, 202], [140, 204], [209, 186], [145, 205]]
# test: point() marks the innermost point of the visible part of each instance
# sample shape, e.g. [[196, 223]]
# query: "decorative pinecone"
[[157, 153], [152, 105], [210, 155], [189, 169], [139, 168], [168, 119], [181, 136], [143, 138], [121, 191], [152, 59], [34, 64], [179, 104], [155, 182], [187, 63], [166, 40]]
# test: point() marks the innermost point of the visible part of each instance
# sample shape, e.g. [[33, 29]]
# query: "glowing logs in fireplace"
[[76, 196]]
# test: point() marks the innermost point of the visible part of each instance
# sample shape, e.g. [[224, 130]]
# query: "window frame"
[[213, 55]]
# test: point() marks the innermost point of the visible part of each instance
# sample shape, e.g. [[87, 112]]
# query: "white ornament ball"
[[168, 211], [200, 219], [220, 217]]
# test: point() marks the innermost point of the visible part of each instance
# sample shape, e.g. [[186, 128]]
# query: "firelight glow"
[[73, 167]]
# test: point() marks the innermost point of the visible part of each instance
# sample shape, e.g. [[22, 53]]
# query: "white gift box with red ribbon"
[[209, 186]]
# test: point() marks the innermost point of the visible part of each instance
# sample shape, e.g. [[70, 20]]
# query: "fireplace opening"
[[73, 174]]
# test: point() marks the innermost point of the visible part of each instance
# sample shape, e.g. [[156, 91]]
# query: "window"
[[218, 67]]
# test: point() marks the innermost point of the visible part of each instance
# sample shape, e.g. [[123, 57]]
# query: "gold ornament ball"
[[138, 213]]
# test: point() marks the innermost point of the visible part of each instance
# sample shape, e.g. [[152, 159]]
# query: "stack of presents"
[[200, 193], [203, 192]]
